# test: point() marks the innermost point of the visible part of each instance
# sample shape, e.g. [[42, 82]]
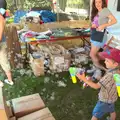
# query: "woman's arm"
[[112, 20]]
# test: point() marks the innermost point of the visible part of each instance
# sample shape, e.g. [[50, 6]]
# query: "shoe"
[[8, 82], [1, 84]]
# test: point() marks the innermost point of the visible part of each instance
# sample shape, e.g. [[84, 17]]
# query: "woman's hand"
[[81, 77], [94, 26], [101, 27]]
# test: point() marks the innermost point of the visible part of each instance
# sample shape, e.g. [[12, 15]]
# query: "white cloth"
[[115, 43], [33, 14], [114, 30]]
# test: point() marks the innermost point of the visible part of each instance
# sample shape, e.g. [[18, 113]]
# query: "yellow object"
[[74, 80], [118, 90], [33, 39]]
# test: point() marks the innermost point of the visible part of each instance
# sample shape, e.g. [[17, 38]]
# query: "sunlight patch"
[[61, 84]]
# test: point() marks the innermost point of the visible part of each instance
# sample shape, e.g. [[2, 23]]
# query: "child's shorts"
[[102, 108]]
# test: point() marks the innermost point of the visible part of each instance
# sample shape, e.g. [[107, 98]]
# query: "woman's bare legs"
[[95, 58]]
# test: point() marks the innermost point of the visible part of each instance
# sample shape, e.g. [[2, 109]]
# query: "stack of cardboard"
[[27, 104], [5, 109], [60, 61], [29, 107], [43, 114], [59, 57], [12, 118]]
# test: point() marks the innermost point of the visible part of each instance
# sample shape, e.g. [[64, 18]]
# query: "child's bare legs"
[[94, 118], [9, 75], [113, 116]]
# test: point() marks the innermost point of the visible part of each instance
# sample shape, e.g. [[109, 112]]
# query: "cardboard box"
[[37, 65], [27, 104], [13, 118], [44, 27], [4, 115], [43, 114], [8, 103], [10, 110], [50, 118]]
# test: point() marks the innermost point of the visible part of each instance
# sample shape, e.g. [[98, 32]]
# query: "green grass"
[[66, 103]]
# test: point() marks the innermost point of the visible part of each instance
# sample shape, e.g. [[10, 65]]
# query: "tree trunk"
[[62, 4]]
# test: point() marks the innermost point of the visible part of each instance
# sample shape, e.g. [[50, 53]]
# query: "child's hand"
[[81, 77]]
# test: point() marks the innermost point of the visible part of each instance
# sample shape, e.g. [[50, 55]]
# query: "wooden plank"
[[13, 46], [3, 107]]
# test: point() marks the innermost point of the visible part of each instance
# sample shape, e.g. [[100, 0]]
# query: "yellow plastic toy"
[[117, 80], [73, 71]]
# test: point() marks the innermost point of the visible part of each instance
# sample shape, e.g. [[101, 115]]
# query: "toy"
[[117, 80], [85, 85], [73, 71], [87, 30]]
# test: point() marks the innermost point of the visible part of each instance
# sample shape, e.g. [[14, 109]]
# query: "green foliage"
[[27, 4], [45, 4], [36, 3], [78, 3], [75, 3]]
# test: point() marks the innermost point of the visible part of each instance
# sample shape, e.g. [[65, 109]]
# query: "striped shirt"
[[108, 90]]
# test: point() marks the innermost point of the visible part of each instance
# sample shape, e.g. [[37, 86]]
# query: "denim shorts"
[[99, 44], [102, 108]]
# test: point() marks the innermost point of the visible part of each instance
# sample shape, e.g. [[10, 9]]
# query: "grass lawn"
[[67, 101]]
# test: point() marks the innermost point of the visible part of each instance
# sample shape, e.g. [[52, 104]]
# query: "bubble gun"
[[117, 80]]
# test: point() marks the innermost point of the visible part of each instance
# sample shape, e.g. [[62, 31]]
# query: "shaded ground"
[[66, 101]]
